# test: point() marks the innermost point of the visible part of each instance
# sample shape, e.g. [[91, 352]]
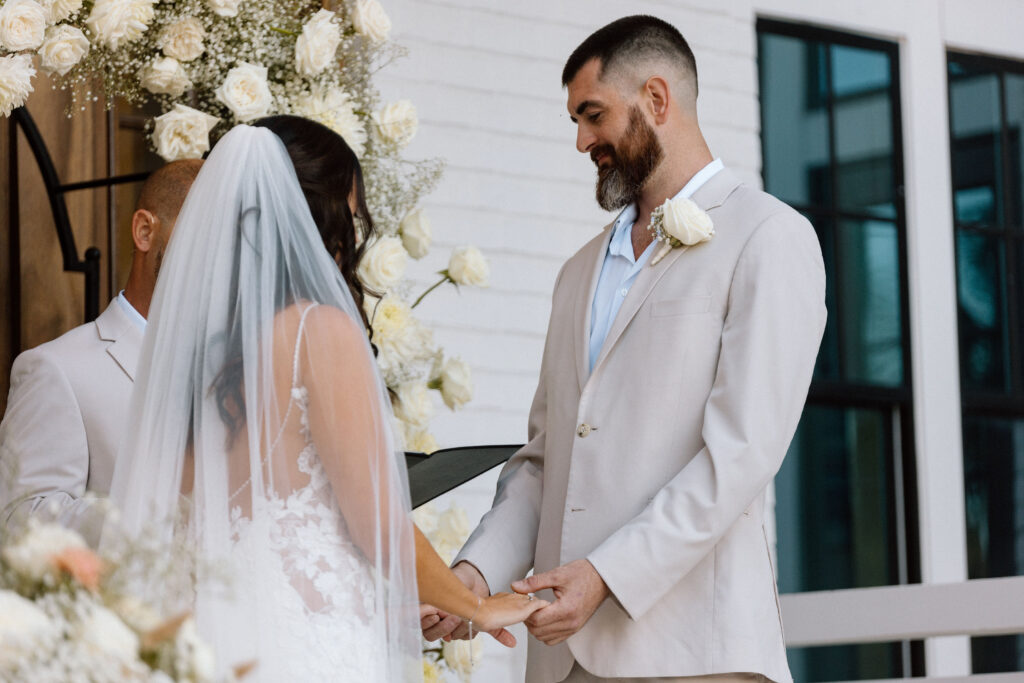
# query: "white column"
[[933, 319]]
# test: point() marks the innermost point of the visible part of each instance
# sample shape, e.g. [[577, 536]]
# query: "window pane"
[[868, 276], [975, 123], [1014, 85], [846, 662], [833, 502], [997, 654], [994, 485], [863, 130], [981, 287], [794, 126], [827, 365]]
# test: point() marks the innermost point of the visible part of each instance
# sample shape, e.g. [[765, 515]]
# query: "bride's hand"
[[505, 609]]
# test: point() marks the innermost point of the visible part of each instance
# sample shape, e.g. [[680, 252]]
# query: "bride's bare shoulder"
[[326, 325]]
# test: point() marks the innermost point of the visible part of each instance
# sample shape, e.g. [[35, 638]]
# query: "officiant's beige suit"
[[655, 465], [66, 412]]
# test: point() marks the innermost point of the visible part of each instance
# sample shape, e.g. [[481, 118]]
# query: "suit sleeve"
[[503, 545], [773, 327], [44, 451]]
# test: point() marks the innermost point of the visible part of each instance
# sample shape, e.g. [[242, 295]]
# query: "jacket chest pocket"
[[689, 305]]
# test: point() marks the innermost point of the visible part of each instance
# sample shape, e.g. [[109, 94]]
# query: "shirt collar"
[[130, 311], [621, 244]]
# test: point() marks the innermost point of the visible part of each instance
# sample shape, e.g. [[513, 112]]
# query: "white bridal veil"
[[255, 356]]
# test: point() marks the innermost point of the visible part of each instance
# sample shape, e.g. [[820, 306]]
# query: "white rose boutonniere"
[[183, 133], [245, 92], [679, 222]]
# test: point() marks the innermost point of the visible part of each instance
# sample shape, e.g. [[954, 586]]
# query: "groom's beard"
[[638, 154]]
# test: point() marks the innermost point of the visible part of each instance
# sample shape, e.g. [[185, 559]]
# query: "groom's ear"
[[657, 96], [145, 226]]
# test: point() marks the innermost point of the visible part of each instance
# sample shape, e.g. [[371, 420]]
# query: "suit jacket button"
[[584, 430]]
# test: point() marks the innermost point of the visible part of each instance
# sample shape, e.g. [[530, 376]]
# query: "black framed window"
[[986, 117], [845, 496]]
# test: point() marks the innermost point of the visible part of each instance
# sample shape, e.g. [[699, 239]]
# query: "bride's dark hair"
[[327, 170]]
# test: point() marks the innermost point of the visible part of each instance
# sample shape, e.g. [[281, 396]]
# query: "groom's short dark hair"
[[631, 39]]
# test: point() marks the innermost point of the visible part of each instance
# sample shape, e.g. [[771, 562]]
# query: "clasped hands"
[[579, 590]]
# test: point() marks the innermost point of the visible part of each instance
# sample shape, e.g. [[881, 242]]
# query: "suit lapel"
[[708, 197], [125, 339], [582, 309]]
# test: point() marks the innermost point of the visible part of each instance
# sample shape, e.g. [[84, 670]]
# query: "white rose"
[[416, 233], [370, 20], [456, 383], [467, 266], [31, 556], [686, 222], [24, 629], [183, 40], [245, 92], [102, 631], [426, 517], [137, 614], [453, 526], [165, 76], [400, 338], [414, 405], [63, 48], [22, 25], [114, 22], [462, 656], [197, 655], [183, 133], [316, 46], [59, 10], [420, 441], [383, 264], [16, 72], [397, 122], [224, 8], [334, 109]]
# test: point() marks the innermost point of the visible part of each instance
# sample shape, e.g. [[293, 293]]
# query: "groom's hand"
[[579, 590]]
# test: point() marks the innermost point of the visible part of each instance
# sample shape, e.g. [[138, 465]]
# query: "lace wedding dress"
[[268, 413]]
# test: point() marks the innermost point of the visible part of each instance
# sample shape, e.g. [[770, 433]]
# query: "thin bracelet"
[[479, 602]]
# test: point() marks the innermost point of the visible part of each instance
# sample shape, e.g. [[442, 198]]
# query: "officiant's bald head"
[[152, 223]]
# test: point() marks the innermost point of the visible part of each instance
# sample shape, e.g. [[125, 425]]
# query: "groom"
[[669, 391]]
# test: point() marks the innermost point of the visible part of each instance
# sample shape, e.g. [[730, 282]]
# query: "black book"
[[441, 471]]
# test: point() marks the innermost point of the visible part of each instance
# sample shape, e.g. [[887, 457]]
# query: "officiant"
[[68, 403]]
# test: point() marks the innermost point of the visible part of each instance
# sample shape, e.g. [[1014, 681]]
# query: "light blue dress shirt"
[[130, 311], [620, 268]]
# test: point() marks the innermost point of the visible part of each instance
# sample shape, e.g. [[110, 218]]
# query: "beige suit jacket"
[[654, 467], [66, 412]]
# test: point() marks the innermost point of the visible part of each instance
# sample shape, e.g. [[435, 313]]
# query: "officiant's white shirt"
[[66, 412]]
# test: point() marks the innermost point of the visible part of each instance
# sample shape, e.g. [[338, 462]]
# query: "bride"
[[261, 429]]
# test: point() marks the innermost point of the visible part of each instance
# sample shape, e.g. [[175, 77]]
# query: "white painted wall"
[[485, 76]]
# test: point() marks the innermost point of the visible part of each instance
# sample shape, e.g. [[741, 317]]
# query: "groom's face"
[[616, 135]]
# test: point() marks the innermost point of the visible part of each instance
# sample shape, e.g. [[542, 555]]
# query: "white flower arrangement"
[[64, 615], [210, 64]]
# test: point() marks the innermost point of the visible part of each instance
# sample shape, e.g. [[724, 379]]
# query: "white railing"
[[983, 607]]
